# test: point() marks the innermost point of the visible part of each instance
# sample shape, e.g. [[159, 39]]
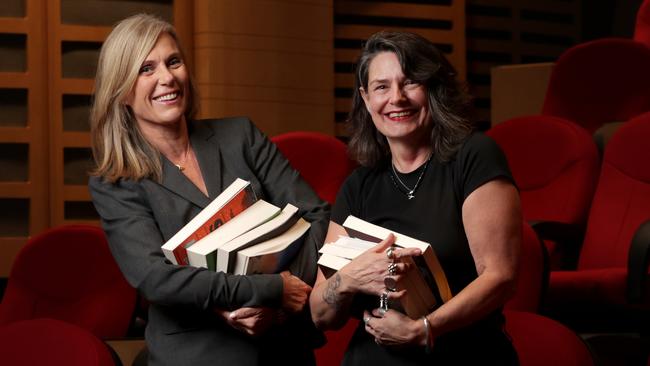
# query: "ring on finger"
[[366, 319], [390, 254], [390, 283], [392, 269]]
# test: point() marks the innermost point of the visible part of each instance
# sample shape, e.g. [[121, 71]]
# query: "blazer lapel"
[[208, 154], [209, 158]]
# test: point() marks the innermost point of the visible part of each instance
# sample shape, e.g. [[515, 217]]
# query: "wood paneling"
[[269, 60]]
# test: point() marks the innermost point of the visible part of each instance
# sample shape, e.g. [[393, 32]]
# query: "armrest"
[[637, 264], [568, 237]]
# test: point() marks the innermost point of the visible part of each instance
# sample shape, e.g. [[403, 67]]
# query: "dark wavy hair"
[[421, 61]]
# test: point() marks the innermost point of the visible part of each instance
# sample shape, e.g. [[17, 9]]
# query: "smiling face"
[[159, 96], [398, 106]]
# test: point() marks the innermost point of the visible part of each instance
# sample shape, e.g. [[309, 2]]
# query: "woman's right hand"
[[295, 292], [368, 272]]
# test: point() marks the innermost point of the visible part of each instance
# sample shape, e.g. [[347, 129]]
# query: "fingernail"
[[232, 315]]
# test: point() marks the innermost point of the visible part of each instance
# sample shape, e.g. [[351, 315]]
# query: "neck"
[[406, 159], [171, 140]]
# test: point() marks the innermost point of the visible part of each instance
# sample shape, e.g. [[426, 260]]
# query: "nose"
[[396, 95], [165, 77]]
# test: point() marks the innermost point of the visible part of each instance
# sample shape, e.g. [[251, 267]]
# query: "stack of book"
[[239, 234], [425, 283]]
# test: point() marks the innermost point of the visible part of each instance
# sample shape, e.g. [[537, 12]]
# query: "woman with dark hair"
[[157, 168], [425, 173]]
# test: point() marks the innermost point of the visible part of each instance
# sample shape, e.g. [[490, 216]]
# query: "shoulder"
[[479, 147], [224, 125]]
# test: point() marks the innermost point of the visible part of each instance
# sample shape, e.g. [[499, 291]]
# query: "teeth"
[[399, 114], [165, 97]]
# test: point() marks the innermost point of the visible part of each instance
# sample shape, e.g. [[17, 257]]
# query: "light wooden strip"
[[415, 11], [9, 248], [14, 25], [16, 189], [488, 22], [75, 193], [492, 46], [75, 139], [346, 55], [342, 104], [539, 27], [83, 33], [14, 80], [344, 80], [16, 134], [265, 94], [550, 6], [77, 86], [495, 3], [263, 42], [365, 31]]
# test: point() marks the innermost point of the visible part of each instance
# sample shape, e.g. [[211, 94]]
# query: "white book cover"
[[202, 253], [274, 254], [207, 220], [226, 253]]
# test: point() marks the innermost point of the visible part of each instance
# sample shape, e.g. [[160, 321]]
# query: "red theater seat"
[[321, 159], [598, 82], [68, 273], [609, 286], [51, 342], [555, 164]]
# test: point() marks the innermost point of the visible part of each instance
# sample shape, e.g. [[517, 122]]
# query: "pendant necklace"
[[410, 192], [181, 164]]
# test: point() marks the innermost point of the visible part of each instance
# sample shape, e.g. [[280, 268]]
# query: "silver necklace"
[[410, 192]]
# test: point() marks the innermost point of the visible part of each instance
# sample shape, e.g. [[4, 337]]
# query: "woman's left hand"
[[252, 321], [392, 328]]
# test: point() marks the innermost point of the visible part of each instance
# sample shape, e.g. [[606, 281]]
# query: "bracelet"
[[427, 334]]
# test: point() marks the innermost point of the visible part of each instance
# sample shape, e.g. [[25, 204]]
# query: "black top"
[[433, 215]]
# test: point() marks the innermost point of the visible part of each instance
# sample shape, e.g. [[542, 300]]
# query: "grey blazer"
[[139, 216]]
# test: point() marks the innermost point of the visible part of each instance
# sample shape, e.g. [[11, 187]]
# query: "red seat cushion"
[[51, 342]]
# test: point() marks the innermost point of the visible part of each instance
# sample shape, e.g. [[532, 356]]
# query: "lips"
[[400, 115], [166, 97]]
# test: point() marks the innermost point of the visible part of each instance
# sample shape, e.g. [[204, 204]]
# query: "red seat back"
[[622, 199], [68, 273], [601, 81], [321, 159], [642, 26], [555, 164]]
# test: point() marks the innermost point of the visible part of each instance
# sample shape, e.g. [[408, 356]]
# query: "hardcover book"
[[273, 255], [204, 252], [226, 254], [426, 285], [232, 201]]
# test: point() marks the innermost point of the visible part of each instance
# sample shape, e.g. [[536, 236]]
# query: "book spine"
[[244, 199]]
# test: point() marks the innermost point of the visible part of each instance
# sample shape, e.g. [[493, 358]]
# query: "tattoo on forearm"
[[330, 295]]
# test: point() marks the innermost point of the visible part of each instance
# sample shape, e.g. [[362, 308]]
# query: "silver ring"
[[392, 269], [390, 283], [382, 311], [366, 319], [377, 340], [390, 253]]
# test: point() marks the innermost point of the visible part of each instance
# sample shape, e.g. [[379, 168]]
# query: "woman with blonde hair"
[[157, 168]]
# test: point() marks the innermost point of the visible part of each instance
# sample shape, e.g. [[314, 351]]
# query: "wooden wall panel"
[[440, 21], [269, 60], [506, 32], [23, 128]]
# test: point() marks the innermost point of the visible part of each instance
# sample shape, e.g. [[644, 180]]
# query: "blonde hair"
[[119, 148]]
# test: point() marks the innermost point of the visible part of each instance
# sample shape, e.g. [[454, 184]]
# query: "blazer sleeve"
[[282, 184], [135, 242]]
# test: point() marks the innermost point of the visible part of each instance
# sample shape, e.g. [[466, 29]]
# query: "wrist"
[[346, 283], [426, 339]]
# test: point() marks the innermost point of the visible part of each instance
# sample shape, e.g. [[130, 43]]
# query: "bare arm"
[[331, 298], [492, 221]]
